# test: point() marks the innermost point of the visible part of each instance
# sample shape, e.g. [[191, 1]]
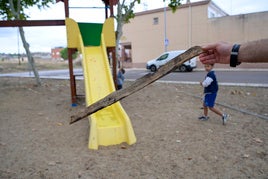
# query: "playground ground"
[[36, 140]]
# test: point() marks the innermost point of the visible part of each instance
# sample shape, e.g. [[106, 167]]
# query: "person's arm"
[[249, 52], [254, 51], [123, 77], [206, 82]]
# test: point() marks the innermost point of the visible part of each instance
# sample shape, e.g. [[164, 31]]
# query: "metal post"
[[165, 27], [189, 24]]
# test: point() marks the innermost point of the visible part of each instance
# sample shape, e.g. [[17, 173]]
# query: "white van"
[[156, 63]]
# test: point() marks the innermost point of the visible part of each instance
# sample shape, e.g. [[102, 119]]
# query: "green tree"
[[15, 10], [64, 54], [125, 12]]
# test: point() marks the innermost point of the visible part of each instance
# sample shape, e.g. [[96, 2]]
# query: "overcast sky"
[[42, 39]]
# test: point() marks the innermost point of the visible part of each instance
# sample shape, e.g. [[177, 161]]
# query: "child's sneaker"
[[224, 118], [203, 118]]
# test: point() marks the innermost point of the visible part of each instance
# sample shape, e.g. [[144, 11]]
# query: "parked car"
[[156, 63]]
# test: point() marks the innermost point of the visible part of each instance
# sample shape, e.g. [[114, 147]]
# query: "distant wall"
[[187, 27]]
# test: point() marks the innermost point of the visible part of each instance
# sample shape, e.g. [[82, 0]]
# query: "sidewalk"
[[241, 67], [218, 67]]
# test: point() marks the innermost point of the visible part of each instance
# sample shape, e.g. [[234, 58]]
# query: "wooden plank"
[[21, 23], [138, 84]]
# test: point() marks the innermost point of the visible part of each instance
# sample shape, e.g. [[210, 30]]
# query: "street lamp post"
[[165, 27]]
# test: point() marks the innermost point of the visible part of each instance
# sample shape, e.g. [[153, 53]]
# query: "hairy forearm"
[[255, 51]]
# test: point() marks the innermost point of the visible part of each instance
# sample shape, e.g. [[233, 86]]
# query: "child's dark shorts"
[[209, 99]]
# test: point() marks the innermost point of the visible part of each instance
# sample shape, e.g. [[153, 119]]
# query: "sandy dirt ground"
[[36, 140]]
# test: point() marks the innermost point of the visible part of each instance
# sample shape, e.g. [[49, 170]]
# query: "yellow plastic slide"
[[110, 125]]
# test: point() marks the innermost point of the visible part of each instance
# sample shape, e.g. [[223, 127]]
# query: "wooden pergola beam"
[[22, 23]]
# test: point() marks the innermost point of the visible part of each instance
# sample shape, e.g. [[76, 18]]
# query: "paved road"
[[54, 74], [228, 77], [225, 77]]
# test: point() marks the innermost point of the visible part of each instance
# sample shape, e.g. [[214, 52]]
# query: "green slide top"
[[91, 33]]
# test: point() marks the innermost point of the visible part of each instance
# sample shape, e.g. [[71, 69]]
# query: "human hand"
[[216, 53]]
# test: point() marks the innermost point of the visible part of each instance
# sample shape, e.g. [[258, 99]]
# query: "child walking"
[[120, 78], [210, 85]]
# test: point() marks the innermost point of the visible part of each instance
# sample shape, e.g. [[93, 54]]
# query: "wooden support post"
[[138, 84], [114, 71], [114, 66], [72, 78], [111, 8], [66, 8], [113, 49]]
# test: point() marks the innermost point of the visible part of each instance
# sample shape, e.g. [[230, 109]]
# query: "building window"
[[211, 15], [155, 20]]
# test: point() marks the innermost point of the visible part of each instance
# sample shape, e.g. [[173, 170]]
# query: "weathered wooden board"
[[138, 84]]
